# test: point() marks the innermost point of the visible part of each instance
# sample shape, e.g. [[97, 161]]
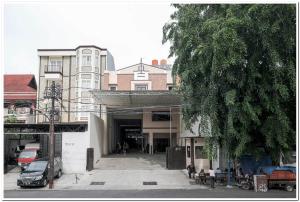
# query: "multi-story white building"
[[77, 71]]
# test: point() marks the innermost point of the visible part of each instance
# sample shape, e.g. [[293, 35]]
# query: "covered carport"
[[118, 106], [20, 134]]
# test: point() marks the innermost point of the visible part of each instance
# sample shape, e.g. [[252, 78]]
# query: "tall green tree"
[[237, 66]]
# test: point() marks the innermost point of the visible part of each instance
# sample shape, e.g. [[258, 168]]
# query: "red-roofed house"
[[20, 92]]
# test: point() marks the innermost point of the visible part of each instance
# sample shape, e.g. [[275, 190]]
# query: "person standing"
[[147, 148], [119, 148], [124, 148], [212, 177]]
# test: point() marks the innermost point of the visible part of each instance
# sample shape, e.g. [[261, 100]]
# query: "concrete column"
[[109, 133], [105, 135], [150, 141]]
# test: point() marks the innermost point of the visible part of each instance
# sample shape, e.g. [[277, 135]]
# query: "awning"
[[136, 98]]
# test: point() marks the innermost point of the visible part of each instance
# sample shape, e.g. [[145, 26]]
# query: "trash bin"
[[260, 183], [90, 159]]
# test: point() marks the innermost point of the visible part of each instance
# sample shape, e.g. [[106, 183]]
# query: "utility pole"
[[53, 93]]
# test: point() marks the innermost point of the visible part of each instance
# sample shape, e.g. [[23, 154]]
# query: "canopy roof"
[[136, 98]]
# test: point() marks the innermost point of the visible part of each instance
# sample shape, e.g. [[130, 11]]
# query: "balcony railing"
[[53, 68]]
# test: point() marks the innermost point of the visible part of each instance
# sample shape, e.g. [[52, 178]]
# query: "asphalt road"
[[167, 193]]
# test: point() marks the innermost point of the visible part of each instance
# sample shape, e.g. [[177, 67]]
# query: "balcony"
[[53, 72], [19, 118]]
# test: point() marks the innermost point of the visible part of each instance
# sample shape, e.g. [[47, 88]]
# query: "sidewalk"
[[119, 172], [115, 180]]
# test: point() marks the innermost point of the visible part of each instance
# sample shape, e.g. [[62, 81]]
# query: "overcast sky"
[[128, 31]]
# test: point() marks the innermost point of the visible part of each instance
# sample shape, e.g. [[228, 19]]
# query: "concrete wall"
[[124, 81], [74, 147], [159, 81], [124, 78], [75, 144], [105, 81], [199, 163], [161, 129], [148, 123], [96, 131]]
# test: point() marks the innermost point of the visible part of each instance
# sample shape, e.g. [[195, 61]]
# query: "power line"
[[102, 112]]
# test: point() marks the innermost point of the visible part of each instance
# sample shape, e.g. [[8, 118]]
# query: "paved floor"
[[119, 172], [219, 192], [132, 162]]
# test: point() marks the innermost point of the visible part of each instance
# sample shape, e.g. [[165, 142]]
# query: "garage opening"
[[130, 131]]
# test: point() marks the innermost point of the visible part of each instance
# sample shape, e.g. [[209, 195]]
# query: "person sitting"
[[202, 176], [191, 170]]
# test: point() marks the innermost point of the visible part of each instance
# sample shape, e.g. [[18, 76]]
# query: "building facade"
[[20, 92], [76, 71], [139, 108], [136, 105]]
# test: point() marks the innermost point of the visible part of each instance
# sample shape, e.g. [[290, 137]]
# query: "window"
[[96, 77], [97, 69], [86, 83], [199, 152], [77, 58], [96, 61], [97, 84], [85, 93], [86, 100], [84, 110], [55, 66], [170, 87], [161, 116], [103, 62], [23, 110], [141, 76], [86, 68], [86, 60], [86, 76], [141, 87], [86, 51], [188, 151], [113, 88]]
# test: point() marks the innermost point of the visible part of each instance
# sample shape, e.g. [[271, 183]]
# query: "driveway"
[[119, 172]]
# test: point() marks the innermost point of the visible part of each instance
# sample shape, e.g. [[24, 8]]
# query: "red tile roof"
[[19, 87]]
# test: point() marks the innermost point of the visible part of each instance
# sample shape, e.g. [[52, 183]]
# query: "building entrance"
[[130, 132]]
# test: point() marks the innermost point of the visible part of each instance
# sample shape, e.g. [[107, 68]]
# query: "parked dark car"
[[36, 174]]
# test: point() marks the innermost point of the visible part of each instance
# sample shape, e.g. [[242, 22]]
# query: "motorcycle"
[[246, 183]]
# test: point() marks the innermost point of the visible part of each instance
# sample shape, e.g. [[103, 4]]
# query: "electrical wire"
[[103, 112]]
